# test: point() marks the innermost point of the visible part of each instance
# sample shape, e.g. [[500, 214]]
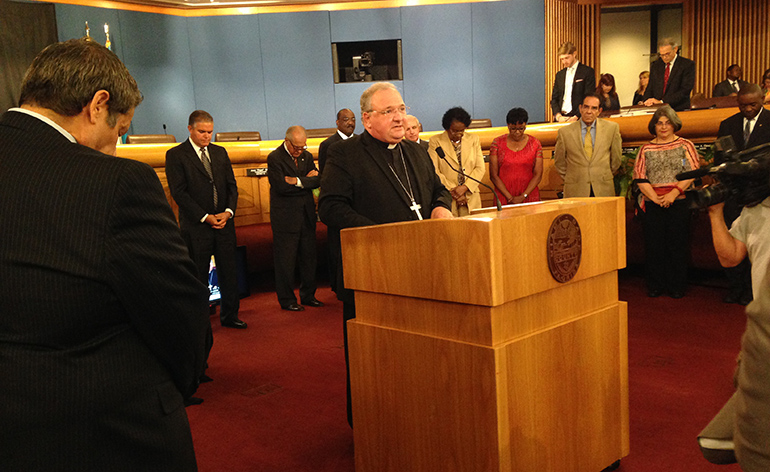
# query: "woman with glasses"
[[516, 161], [462, 151], [666, 220]]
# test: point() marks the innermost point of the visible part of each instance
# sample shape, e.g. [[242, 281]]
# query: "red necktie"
[[665, 77]]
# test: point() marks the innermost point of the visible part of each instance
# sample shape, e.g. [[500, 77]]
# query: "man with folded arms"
[[293, 176]]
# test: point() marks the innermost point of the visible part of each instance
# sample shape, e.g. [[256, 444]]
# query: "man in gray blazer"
[[588, 153]]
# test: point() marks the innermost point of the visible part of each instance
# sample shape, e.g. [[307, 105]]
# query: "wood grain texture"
[[499, 368], [505, 256]]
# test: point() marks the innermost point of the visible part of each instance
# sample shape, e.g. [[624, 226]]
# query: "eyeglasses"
[[296, 148], [345, 119], [390, 112]]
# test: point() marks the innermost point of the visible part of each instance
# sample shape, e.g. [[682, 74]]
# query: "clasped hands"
[[293, 180], [458, 193], [219, 220], [666, 200]]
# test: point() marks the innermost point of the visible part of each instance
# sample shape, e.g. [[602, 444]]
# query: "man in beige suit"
[[588, 152], [454, 140]]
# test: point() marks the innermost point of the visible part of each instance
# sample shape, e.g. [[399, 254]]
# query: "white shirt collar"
[[195, 146], [47, 121], [343, 135], [573, 67]]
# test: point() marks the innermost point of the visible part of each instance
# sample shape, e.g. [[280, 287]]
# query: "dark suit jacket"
[[103, 318], [723, 88], [681, 81], [324, 147], [359, 189], [733, 126], [584, 84], [424, 144], [190, 186], [291, 206]]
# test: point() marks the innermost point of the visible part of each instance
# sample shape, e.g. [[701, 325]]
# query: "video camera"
[[744, 175]]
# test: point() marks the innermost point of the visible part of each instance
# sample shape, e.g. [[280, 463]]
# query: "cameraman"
[[748, 128]]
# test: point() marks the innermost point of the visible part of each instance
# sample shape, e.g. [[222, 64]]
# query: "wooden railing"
[[254, 192]]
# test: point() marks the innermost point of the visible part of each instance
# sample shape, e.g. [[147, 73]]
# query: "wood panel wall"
[[724, 32], [567, 21]]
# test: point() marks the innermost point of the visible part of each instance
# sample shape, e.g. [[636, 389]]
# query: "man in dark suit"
[[346, 125], [732, 84], [748, 128], [293, 176], [572, 84], [672, 78], [201, 181], [378, 178], [103, 325], [412, 129]]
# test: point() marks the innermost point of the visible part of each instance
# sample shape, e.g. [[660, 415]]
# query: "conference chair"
[[320, 132], [232, 136], [150, 138], [481, 123]]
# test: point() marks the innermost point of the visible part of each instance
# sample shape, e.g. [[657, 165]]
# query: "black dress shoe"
[[293, 307], [192, 401], [654, 293], [236, 323], [313, 302], [205, 378], [732, 297], [677, 294]]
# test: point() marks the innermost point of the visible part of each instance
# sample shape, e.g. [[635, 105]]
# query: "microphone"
[[698, 173], [441, 154], [164, 128]]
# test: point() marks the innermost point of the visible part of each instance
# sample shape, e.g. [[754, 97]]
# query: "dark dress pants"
[[666, 246], [221, 244], [287, 248]]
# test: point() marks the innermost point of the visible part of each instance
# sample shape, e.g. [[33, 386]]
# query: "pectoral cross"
[[416, 208]]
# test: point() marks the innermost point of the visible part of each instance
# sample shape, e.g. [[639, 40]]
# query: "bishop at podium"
[[377, 178]]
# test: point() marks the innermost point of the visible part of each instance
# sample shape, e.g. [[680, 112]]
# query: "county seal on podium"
[[564, 247]]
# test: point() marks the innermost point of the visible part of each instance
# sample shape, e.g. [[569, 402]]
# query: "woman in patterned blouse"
[[667, 216]]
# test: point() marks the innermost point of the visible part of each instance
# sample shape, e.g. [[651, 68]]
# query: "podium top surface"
[[490, 257]]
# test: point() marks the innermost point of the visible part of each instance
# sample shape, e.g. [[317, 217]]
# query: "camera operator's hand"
[[717, 209]]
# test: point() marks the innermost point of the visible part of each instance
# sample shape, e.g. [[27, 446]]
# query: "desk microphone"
[[441, 154]]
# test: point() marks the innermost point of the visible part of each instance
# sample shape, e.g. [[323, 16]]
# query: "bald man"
[[293, 176], [412, 131]]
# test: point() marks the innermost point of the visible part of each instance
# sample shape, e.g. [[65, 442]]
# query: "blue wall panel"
[[157, 52], [508, 61], [438, 61], [297, 65], [270, 71], [227, 72], [366, 25]]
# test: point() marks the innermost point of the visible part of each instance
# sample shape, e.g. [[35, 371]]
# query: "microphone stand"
[[441, 154]]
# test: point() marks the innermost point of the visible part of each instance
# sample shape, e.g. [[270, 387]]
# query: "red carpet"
[[277, 402]]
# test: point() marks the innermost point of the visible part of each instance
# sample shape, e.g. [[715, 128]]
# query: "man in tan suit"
[[454, 140], [588, 152]]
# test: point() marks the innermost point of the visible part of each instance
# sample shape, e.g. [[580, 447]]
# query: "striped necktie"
[[207, 165]]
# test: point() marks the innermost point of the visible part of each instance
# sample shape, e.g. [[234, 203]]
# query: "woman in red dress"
[[516, 161]]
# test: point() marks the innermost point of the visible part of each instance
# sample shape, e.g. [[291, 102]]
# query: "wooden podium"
[[466, 354]]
